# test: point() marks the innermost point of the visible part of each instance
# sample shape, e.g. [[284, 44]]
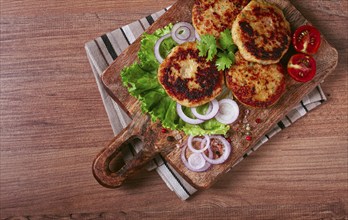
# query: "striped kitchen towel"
[[103, 50]]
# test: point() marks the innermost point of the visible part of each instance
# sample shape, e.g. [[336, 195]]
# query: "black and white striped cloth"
[[103, 50]]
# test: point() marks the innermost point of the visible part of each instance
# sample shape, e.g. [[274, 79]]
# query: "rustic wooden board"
[[326, 58]]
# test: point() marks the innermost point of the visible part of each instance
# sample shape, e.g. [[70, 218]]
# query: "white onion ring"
[[207, 144], [184, 160], [226, 152], [185, 118], [187, 35], [157, 47], [227, 115], [210, 114]]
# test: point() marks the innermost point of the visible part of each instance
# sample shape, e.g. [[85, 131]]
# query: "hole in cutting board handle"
[[107, 169], [128, 151]]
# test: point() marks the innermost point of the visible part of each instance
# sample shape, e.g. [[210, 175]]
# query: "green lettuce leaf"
[[211, 126], [146, 52], [140, 78]]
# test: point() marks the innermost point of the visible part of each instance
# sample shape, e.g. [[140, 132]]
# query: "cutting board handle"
[[138, 128]]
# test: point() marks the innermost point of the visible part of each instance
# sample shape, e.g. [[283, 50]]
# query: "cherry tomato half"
[[306, 39], [302, 67]]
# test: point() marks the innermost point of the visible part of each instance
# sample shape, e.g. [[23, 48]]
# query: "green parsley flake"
[[223, 61], [223, 48], [225, 39]]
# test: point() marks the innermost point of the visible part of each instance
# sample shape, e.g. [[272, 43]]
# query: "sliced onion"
[[183, 32], [226, 151], [157, 47], [210, 107], [228, 111], [210, 114], [185, 118], [196, 161], [184, 160], [205, 141], [197, 36]]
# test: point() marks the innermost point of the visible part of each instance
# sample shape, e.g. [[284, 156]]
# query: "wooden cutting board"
[[157, 142]]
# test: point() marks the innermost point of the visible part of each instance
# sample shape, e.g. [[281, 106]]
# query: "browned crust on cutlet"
[[188, 78], [261, 32], [214, 16], [255, 85]]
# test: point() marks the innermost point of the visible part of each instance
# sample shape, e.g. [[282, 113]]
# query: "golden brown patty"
[[214, 16], [261, 32], [254, 84], [189, 79]]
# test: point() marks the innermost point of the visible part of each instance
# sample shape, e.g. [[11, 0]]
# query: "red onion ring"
[[157, 47], [184, 160], [210, 114], [185, 33], [226, 152], [185, 118], [207, 144], [227, 115], [196, 160], [188, 32], [197, 36]]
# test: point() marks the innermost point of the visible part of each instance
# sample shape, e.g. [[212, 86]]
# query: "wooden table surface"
[[53, 124]]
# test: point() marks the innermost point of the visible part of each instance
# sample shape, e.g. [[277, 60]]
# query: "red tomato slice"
[[306, 39], [302, 67]]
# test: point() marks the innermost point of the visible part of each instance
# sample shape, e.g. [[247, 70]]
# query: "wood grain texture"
[[153, 140], [326, 58], [53, 123]]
